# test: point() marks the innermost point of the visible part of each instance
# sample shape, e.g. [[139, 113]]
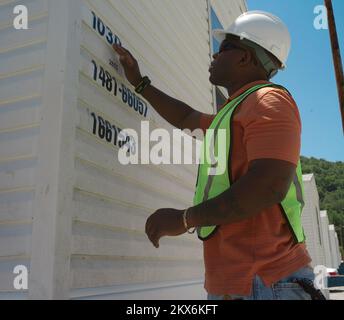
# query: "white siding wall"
[[22, 64], [326, 239], [227, 9], [337, 249], [336, 260], [88, 211], [311, 220]]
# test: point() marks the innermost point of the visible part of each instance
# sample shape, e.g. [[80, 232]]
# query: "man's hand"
[[130, 65], [164, 222]]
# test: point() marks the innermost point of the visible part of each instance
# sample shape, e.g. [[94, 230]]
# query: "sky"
[[310, 76]]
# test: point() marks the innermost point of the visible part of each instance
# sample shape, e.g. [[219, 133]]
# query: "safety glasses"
[[228, 46]]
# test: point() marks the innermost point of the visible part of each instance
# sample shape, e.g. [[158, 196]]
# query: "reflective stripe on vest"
[[209, 184]]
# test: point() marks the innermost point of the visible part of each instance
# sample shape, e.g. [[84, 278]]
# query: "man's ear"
[[247, 57]]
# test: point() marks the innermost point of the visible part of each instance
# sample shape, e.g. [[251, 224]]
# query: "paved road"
[[337, 293]]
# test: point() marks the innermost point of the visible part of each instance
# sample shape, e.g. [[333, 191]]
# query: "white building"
[[69, 212], [326, 239], [321, 238], [311, 221], [335, 254]]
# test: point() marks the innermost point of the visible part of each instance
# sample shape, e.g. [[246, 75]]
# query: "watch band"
[[185, 222], [145, 82]]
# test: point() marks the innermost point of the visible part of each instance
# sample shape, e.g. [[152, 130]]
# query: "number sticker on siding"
[[109, 82], [112, 134], [101, 74], [100, 27]]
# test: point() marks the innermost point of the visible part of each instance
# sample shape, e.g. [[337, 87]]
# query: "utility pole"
[[337, 61]]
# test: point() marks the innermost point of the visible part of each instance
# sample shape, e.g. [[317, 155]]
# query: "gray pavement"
[[337, 293]]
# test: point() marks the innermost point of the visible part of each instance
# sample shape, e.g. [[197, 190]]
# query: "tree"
[[329, 177]]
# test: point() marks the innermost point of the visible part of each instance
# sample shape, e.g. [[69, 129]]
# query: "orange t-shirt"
[[266, 125]]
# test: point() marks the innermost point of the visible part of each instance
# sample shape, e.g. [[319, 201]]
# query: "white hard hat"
[[262, 28]]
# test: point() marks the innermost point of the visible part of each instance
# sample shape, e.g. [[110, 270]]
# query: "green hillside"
[[329, 177]]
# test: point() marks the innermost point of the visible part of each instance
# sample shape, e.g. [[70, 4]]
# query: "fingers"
[[152, 233], [125, 55], [154, 238]]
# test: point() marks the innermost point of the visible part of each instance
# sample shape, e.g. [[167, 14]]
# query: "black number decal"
[[108, 81], [145, 109], [104, 30], [130, 99], [115, 86], [102, 76], [108, 135], [95, 70], [140, 106], [109, 35], [101, 27], [101, 128], [94, 131], [94, 20], [115, 135], [124, 94], [136, 103]]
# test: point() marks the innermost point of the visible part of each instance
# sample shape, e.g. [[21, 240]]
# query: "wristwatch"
[[145, 82]]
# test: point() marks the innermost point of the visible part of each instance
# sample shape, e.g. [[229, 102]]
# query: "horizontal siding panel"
[[11, 37], [16, 205], [18, 143], [15, 239], [22, 58], [144, 175], [108, 213], [92, 179], [93, 209], [228, 10], [172, 45], [21, 85], [19, 173], [22, 112], [93, 239], [95, 272], [87, 143], [166, 290], [161, 15], [192, 20]]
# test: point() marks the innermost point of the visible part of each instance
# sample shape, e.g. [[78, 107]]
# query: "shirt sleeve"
[[273, 128]]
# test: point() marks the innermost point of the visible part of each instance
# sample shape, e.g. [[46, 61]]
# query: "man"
[[249, 217]]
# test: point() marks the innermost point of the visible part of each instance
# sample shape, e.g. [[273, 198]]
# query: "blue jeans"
[[285, 289]]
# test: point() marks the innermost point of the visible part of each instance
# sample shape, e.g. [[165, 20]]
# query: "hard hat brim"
[[220, 35]]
